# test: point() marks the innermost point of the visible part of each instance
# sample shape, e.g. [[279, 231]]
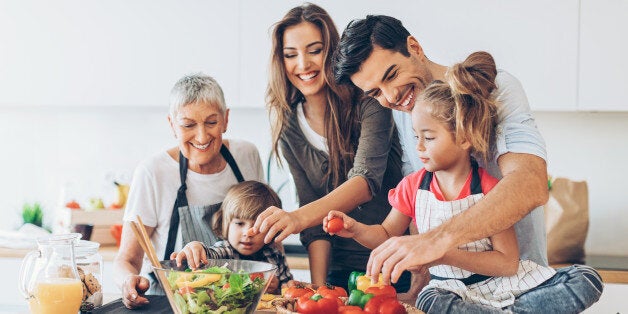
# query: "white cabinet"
[[536, 40], [603, 55], [115, 52], [121, 53]]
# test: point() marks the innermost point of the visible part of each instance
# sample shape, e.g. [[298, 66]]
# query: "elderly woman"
[[177, 191]]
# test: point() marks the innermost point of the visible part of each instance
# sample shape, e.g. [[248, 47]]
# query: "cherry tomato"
[[254, 276], [334, 225], [186, 290]]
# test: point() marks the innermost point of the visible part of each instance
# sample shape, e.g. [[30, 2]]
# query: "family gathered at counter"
[[437, 172]]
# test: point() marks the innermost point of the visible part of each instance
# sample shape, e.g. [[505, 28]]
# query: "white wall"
[[44, 147], [82, 98]]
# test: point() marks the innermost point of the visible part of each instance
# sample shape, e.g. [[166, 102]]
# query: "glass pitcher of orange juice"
[[49, 278]]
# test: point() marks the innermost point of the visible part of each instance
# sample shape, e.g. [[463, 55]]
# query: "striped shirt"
[[270, 254]]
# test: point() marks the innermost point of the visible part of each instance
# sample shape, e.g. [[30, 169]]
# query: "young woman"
[[342, 149], [452, 122]]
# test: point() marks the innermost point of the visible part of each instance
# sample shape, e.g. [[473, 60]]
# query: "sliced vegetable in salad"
[[215, 290]]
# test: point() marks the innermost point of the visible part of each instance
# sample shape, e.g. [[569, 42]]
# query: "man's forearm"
[[521, 190]]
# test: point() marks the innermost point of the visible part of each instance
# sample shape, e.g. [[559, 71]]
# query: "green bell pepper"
[[353, 279], [359, 298]]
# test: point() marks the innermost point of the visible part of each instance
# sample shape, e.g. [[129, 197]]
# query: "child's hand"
[[348, 224], [195, 254]]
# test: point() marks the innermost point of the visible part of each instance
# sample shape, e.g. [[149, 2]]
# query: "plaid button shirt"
[[270, 254]]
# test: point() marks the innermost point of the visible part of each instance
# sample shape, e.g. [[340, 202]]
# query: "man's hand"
[[410, 252], [133, 291]]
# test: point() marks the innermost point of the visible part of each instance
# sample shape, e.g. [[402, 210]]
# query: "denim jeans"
[[571, 290]]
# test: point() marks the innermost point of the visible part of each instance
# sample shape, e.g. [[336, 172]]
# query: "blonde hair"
[[341, 125], [465, 103], [245, 200]]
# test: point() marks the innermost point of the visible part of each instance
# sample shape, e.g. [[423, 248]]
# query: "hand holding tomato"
[[334, 225], [340, 224]]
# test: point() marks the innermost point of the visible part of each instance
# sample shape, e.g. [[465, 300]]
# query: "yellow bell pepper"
[[364, 282], [195, 280]]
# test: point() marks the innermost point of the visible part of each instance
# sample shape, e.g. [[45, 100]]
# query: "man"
[[378, 55]]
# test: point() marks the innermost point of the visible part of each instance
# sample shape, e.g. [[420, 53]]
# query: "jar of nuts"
[[89, 264]]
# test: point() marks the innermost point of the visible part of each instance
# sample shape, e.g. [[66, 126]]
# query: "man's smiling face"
[[392, 78]]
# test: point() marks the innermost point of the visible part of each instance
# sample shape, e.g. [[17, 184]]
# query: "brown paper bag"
[[566, 220]]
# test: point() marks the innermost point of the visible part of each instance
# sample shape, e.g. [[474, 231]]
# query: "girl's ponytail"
[[471, 83]]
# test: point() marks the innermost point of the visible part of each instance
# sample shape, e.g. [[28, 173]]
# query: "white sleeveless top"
[[320, 142]]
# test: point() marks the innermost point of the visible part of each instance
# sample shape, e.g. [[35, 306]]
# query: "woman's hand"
[[349, 225], [193, 252], [277, 224], [133, 290]]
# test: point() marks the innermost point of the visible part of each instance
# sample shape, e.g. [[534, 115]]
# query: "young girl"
[[454, 121], [241, 206]]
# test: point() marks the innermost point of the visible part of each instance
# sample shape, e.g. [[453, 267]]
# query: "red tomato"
[[350, 309], [186, 290], [383, 290], [73, 205], [334, 225], [297, 291], [384, 305], [329, 291], [316, 304], [254, 276]]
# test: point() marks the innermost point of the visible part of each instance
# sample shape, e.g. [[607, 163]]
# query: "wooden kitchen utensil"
[[149, 249]]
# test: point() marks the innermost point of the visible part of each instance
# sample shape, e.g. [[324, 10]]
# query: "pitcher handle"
[[25, 271]]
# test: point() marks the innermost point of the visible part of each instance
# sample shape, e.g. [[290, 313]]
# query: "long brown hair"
[[341, 125], [465, 102]]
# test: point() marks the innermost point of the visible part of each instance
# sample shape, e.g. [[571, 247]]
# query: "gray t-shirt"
[[377, 159], [516, 132]]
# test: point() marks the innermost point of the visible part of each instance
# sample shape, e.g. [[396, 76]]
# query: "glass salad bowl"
[[223, 285]]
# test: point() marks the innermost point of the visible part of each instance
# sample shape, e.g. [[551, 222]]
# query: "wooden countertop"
[[109, 253]]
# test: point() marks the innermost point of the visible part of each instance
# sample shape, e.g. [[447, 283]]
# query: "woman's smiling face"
[[303, 51], [199, 127]]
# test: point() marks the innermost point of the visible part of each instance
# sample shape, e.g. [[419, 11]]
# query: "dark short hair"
[[358, 39]]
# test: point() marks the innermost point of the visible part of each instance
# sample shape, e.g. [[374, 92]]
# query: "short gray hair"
[[194, 88]]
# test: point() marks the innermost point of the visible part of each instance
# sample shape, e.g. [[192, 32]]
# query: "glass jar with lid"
[[89, 264]]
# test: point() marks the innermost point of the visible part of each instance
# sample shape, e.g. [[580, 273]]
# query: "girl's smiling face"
[[240, 241]]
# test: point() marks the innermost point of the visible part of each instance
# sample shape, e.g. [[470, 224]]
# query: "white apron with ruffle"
[[494, 291]]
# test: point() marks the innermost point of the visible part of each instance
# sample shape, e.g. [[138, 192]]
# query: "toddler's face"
[[237, 237]]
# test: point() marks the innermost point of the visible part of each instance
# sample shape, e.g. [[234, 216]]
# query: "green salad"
[[216, 290]]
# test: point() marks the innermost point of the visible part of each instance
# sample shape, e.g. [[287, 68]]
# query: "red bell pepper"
[[384, 305], [383, 290], [316, 304]]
